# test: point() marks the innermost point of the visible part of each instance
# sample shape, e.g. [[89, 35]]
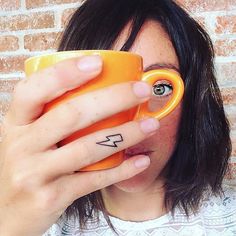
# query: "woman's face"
[[154, 45]]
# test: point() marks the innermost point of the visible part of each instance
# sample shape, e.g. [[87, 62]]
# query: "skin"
[[34, 170], [141, 197]]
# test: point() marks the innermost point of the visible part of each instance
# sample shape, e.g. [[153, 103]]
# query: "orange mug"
[[118, 67]]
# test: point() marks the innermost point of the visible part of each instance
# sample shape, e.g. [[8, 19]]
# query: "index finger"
[[31, 94]]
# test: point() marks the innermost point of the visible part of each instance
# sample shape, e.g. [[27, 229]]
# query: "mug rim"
[[93, 51]]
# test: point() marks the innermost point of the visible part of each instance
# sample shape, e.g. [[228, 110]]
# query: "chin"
[[136, 184]]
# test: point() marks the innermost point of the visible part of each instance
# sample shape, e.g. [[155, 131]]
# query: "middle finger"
[[84, 110], [95, 147]]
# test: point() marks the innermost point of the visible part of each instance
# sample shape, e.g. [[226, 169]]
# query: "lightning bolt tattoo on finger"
[[111, 140]]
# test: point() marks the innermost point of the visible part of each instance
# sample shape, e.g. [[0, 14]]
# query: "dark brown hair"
[[200, 159]]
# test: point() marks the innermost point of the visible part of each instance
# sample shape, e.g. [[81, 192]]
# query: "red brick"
[[231, 175], [229, 95], [30, 21], [232, 119], [225, 47], [42, 3], [225, 24], [66, 15], [208, 5], [12, 64], [9, 43], [4, 106], [9, 5], [42, 41], [225, 72], [233, 139], [7, 85]]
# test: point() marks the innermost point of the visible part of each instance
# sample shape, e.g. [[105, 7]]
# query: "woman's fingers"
[[71, 187], [95, 147], [85, 110], [33, 93]]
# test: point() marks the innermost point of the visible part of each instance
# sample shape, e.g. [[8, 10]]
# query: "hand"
[[38, 180]]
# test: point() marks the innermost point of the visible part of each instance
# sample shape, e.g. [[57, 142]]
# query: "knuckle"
[[98, 181], [56, 72], [46, 199], [62, 72], [126, 170], [69, 115], [86, 153], [24, 178], [22, 92], [126, 173], [20, 181]]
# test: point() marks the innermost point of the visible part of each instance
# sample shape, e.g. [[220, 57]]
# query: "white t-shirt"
[[216, 216]]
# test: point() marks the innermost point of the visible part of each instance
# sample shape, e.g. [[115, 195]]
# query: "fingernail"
[[142, 89], [149, 125], [142, 162], [89, 63]]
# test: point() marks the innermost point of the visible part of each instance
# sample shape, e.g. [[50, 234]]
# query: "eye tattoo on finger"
[[111, 140]]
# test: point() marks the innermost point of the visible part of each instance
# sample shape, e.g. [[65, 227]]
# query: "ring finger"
[[97, 146]]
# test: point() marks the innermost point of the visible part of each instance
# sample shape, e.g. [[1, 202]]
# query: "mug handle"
[[178, 90]]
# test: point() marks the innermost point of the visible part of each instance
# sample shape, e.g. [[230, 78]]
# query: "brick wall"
[[32, 27]]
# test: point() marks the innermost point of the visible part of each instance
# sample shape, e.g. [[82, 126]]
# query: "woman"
[[173, 169]]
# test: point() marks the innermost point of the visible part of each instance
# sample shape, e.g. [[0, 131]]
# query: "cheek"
[[163, 142]]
